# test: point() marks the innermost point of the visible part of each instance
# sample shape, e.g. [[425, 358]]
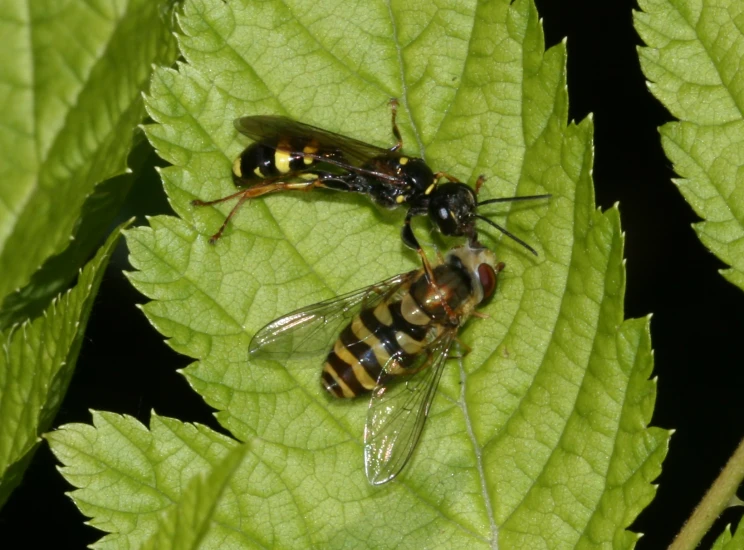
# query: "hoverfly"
[[291, 156], [390, 339]]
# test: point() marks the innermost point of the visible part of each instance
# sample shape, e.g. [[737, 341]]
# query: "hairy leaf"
[[36, 365], [693, 62], [537, 439]]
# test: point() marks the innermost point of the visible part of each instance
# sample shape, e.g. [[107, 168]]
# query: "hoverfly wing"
[[397, 413], [354, 152], [312, 329]]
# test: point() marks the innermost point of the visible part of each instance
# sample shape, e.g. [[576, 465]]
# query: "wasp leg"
[[445, 175], [479, 183], [264, 189], [409, 239], [396, 131]]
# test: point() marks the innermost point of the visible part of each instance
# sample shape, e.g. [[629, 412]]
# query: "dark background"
[[697, 314]]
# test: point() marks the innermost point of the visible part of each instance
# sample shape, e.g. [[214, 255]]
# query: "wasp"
[[291, 156], [396, 337]]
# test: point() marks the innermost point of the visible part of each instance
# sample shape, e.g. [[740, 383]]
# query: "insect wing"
[[312, 330], [397, 414], [276, 127]]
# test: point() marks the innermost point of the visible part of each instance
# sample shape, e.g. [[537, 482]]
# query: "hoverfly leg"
[[463, 350], [396, 131], [424, 365]]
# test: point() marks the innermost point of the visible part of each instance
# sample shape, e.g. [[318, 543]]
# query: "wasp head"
[[452, 209]]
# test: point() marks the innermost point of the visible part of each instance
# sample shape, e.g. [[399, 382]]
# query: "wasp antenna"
[[507, 233], [515, 199]]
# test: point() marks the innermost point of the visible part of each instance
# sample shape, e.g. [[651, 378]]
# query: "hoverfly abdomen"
[[377, 343], [387, 341]]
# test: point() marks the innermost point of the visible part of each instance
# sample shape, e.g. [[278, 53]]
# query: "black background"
[[125, 367]]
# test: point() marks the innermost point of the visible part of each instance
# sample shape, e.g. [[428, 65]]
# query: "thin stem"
[[720, 496]]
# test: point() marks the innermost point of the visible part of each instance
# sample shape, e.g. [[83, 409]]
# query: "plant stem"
[[720, 496]]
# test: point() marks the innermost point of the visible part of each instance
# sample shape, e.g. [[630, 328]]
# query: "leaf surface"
[[70, 87], [538, 438], [36, 365], [692, 60], [727, 541]]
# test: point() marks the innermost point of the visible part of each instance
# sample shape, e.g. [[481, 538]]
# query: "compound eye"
[[487, 277]]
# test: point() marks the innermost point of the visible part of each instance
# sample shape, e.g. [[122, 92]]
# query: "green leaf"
[[693, 62], [538, 438], [188, 525], [98, 213], [36, 365], [71, 83], [145, 469], [727, 542]]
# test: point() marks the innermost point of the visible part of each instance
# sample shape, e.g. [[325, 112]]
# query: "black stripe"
[[417, 332], [345, 373], [330, 385], [386, 335], [363, 353]]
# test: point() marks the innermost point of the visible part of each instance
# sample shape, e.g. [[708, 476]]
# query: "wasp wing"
[[397, 414], [312, 329], [269, 127]]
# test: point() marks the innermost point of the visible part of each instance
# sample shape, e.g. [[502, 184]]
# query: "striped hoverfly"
[[389, 340], [291, 156]]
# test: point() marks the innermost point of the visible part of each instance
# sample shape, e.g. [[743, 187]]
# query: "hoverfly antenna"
[[507, 233]]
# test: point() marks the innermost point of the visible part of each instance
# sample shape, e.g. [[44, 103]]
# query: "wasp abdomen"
[[273, 159]]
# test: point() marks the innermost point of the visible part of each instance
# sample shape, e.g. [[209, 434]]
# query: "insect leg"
[[396, 131], [409, 239], [479, 183], [197, 202], [463, 350], [445, 175], [257, 191]]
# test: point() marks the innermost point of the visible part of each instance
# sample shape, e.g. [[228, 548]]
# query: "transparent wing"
[[274, 127], [397, 413], [312, 329]]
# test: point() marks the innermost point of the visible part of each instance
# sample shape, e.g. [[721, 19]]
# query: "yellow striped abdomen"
[[388, 338]]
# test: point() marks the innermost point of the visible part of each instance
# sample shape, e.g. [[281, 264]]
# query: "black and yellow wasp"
[[390, 339], [291, 156]]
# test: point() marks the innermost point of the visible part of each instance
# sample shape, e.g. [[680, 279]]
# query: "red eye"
[[488, 279]]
